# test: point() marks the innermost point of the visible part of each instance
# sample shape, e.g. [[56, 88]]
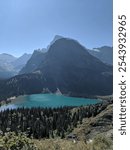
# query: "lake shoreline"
[[11, 100]]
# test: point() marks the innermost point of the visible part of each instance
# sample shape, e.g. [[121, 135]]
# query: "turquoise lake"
[[48, 100]]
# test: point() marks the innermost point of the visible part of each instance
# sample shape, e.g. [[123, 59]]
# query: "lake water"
[[48, 100]]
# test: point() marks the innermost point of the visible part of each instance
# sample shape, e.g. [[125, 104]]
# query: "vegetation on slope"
[[91, 124], [99, 143], [46, 122], [11, 141], [98, 137]]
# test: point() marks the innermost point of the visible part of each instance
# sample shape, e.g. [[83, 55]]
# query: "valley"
[[62, 95]]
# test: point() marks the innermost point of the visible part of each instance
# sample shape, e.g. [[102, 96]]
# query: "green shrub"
[[11, 141]]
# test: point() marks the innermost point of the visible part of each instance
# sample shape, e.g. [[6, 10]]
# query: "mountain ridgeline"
[[105, 54], [10, 65], [33, 62], [66, 66]]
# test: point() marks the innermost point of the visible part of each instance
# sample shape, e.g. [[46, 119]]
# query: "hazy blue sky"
[[26, 25]]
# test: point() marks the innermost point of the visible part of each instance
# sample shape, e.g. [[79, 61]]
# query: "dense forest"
[[46, 122]]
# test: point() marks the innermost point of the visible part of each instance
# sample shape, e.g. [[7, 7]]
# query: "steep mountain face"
[[37, 57], [20, 62], [57, 37], [66, 66], [33, 63], [105, 54], [10, 65], [74, 71]]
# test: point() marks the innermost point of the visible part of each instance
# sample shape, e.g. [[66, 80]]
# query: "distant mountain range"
[[105, 54], [66, 66], [10, 65]]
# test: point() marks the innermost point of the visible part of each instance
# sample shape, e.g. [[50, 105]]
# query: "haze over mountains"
[[10, 65], [105, 54], [66, 66]]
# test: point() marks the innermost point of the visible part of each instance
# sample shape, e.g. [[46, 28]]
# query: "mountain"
[[105, 54], [6, 73], [74, 71], [37, 57], [33, 63], [20, 62], [57, 37], [66, 66], [6, 69], [10, 65], [6, 58]]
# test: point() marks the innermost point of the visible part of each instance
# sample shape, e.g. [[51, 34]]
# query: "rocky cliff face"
[[33, 63], [74, 71]]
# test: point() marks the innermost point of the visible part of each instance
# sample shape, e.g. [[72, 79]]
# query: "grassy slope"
[[98, 129]]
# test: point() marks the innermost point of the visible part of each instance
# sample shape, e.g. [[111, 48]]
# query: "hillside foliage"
[[46, 122]]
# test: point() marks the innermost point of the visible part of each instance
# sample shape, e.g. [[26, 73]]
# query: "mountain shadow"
[[66, 66]]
